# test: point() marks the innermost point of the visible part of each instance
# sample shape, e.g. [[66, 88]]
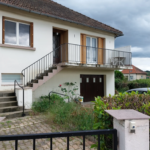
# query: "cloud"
[[131, 17], [141, 63]]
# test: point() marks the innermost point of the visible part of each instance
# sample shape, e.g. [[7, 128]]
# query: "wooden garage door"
[[91, 86]]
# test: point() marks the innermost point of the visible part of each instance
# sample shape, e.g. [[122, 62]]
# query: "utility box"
[[132, 129]]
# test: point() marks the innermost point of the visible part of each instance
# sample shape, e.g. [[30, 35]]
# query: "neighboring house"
[[134, 74], [56, 45]]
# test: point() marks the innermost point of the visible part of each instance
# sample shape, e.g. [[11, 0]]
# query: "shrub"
[[119, 75], [133, 100], [43, 104]]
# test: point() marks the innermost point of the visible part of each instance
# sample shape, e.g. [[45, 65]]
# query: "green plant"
[[43, 104], [71, 116], [133, 100], [119, 75], [69, 90]]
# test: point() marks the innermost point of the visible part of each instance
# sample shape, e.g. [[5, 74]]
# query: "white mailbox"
[[132, 129]]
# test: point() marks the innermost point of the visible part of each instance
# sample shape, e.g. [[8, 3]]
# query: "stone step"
[[10, 109], [6, 93], [7, 104], [9, 98], [15, 114]]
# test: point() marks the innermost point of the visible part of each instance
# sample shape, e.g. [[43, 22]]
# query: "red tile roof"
[[135, 70], [55, 10]]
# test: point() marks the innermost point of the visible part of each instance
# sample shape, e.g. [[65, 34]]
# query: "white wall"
[[15, 60], [73, 75], [134, 76]]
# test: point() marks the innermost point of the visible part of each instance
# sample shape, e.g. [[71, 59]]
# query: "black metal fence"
[[33, 137]]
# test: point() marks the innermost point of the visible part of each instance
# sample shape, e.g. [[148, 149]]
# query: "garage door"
[[91, 86]]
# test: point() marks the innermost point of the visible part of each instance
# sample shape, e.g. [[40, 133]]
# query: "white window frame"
[[93, 47], [17, 33]]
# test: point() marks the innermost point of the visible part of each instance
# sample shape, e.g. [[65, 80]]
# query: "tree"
[[119, 75]]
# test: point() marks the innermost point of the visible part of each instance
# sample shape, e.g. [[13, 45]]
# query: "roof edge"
[[63, 19]]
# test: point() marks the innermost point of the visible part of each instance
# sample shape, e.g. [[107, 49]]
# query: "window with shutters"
[[17, 33]]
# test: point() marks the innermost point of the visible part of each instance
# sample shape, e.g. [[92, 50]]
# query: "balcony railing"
[[79, 54], [76, 54]]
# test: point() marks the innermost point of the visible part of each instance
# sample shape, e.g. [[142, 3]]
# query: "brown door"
[[91, 86]]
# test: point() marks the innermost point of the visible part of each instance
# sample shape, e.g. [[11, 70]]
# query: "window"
[[94, 80], [141, 77], [10, 78], [17, 33], [100, 80], [131, 77], [87, 80]]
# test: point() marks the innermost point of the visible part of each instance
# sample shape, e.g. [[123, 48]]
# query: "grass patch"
[[69, 116]]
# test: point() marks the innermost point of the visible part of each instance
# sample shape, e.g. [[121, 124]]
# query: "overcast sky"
[[132, 17]]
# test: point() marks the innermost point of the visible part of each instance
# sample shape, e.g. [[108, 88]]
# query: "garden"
[[73, 117]]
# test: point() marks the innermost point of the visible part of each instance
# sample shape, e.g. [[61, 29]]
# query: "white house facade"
[[42, 51]]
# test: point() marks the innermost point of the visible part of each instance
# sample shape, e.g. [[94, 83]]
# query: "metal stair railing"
[[37, 68], [15, 82]]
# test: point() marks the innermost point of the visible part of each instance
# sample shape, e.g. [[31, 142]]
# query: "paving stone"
[[33, 125]]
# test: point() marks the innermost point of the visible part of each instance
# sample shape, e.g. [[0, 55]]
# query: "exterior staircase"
[[8, 105], [43, 77]]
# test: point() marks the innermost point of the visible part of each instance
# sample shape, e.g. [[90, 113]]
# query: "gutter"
[[55, 17]]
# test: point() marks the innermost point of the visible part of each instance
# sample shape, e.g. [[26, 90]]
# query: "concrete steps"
[[15, 114], [43, 77], [8, 105]]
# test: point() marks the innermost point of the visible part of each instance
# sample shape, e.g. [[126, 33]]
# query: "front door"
[[91, 44], [56, 47], [91, 86]]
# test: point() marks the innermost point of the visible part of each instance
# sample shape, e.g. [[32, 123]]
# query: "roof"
[[135, 70], [55, 10]]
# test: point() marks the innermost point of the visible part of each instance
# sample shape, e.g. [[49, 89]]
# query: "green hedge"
[[119, 84], [133, 100]]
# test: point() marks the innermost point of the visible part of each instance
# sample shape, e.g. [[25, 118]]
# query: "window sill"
[[18, 47]]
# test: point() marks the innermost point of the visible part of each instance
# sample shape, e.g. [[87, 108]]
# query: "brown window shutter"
[[3, 30], [31, 34], [100, 50], [83, 49]]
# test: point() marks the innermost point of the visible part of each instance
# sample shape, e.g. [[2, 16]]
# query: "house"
[[134, 74], [44, 44]]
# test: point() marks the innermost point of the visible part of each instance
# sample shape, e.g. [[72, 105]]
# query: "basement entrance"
[[91, 86]]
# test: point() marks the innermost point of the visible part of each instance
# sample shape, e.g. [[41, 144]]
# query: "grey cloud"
[[131, 17]]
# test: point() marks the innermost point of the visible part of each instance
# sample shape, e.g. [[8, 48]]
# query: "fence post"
[[132, 129]]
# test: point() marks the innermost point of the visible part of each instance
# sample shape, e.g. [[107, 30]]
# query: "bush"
[[43, 104], [139, 83], [119, 75], [71, 116], [133, 100]]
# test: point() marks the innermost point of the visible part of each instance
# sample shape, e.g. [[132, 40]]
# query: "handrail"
[[23, 114], [55, 93], [72, 53]]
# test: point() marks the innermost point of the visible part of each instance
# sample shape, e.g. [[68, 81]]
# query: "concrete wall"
[[73, 75], [15, 60]]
